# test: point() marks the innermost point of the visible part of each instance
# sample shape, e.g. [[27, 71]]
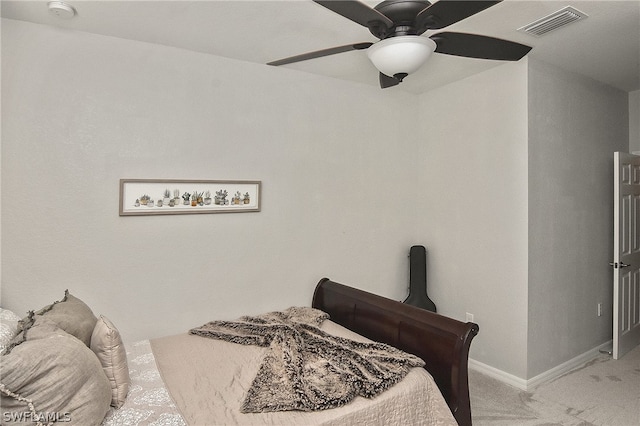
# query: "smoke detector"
[[61, 9]]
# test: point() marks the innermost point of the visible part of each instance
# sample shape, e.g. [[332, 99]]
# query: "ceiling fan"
[[399, 24]]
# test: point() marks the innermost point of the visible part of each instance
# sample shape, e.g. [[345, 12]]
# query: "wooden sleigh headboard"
[[442, 342]]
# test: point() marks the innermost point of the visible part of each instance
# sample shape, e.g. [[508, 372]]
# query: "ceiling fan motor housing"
[[403, 14]]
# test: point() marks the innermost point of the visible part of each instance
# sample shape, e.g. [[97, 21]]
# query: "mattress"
[[191, 380]]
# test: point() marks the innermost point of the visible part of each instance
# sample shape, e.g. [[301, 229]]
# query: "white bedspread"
[[148, 401], [214, 398]]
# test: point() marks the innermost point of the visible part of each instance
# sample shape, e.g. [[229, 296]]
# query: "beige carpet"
[[602, 392]]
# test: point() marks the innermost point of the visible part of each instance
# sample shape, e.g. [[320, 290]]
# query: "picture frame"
[[145, 197]]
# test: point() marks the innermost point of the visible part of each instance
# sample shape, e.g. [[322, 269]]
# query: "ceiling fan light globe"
[[402, 54]]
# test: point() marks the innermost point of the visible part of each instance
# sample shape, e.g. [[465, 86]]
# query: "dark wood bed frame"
[[442, 342]]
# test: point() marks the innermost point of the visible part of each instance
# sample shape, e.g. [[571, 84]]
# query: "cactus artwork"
[[147, 197]]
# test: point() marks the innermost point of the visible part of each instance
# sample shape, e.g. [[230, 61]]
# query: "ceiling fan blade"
[[386, 81], [321, 53], [447, 12], [361, 14], [478, 46]]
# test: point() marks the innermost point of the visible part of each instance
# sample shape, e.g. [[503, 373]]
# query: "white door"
[[626, 251]]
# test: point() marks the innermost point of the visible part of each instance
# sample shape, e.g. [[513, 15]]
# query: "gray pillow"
[[53, 374], [72, 315]]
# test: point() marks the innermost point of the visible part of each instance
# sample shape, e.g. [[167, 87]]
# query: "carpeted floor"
[[603, 392]]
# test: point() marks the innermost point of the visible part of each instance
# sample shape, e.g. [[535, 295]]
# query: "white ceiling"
[[605, 46]]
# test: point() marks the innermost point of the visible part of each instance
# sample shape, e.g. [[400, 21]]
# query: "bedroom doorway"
[[626, 254]]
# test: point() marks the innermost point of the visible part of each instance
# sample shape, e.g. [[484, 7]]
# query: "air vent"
[[554, 21]]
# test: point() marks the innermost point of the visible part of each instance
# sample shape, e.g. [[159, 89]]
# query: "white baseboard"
[[493, 372], [528, 384]]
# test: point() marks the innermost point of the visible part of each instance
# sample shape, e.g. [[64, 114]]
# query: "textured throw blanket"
[[306, 368]]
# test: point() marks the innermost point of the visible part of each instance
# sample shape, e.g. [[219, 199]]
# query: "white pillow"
[[107, 344], [8, 327]]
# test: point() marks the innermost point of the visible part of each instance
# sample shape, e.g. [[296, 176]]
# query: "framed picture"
[[141, 197]]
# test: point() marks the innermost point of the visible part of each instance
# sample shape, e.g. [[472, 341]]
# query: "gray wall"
[[474, 187], [575, 125], [634, 121], [81, 111]]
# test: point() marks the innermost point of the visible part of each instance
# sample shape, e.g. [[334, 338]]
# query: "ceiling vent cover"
[[554, 21]]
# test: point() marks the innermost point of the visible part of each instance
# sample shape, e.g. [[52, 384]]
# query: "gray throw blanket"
[[306, 368]]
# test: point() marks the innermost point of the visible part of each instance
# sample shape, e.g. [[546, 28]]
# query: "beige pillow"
[[72, 315], [107, 344], [54, 374]]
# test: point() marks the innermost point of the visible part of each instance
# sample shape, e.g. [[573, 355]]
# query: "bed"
[[442, 342], [187, 379]]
